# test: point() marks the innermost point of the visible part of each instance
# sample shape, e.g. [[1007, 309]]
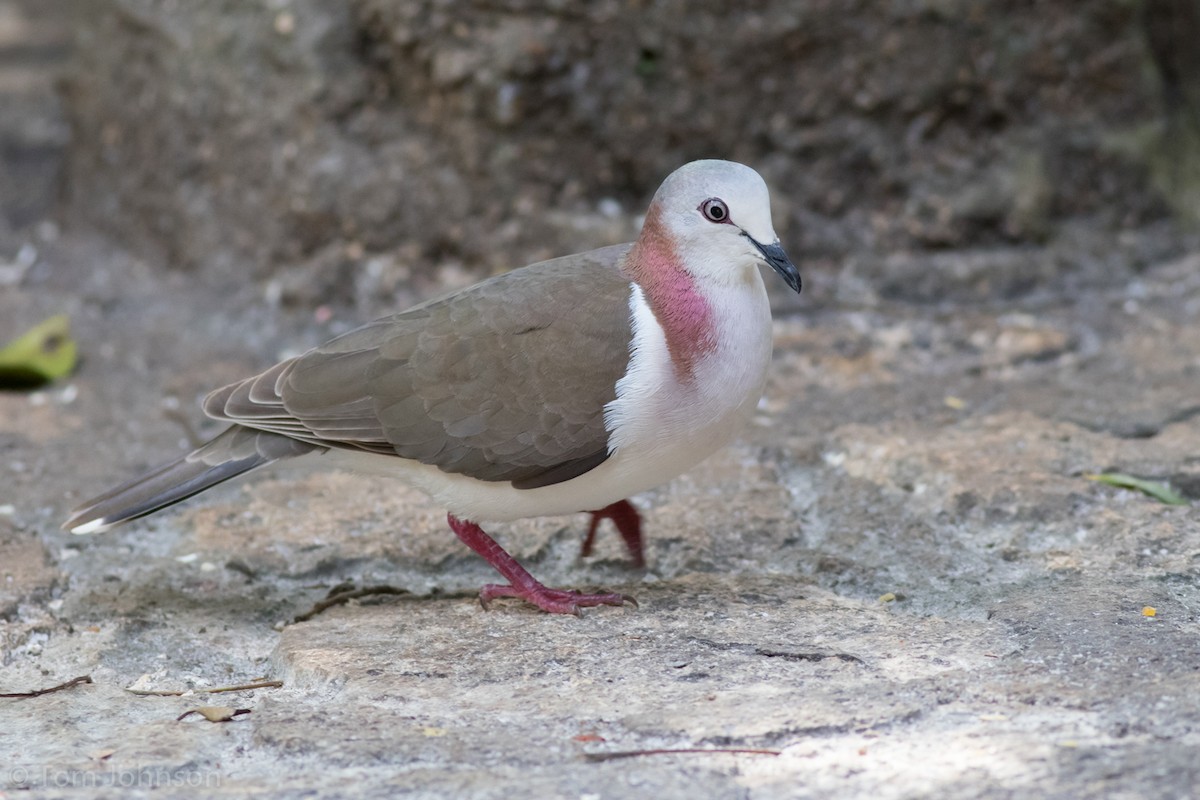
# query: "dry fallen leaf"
[[214, 713]]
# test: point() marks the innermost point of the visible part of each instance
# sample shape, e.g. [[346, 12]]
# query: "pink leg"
[[520, 582], [629, 525]]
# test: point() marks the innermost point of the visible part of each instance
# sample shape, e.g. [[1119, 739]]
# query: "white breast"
[[659, 427], [656, 419]]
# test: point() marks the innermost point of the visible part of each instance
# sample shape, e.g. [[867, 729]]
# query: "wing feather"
[[504, 381]]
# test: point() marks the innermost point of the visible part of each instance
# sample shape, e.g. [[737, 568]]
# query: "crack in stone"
[[814, 657], [755, 650]]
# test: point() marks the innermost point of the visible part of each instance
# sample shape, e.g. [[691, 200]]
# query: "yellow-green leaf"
[[1159, 491], [44, 353]]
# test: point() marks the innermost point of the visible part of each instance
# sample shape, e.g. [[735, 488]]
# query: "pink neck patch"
[[679, 307]]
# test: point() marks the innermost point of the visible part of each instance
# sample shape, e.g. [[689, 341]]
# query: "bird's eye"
[[715, 210]]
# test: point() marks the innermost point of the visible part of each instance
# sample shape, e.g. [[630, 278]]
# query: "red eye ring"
[[715, 210]]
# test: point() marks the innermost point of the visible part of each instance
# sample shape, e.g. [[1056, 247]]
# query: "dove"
[[561, 387]]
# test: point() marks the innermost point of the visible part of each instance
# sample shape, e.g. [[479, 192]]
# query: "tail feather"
[[230, 454]]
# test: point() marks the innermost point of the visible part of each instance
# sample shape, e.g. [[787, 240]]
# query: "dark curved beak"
[[779, 261]]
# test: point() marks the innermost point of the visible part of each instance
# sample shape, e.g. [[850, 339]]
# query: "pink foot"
[[629, 525], [520, 583], [554, 601]]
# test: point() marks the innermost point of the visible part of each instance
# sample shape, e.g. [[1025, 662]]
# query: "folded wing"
[[506, 381]]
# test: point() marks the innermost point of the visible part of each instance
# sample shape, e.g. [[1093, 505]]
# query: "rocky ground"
[[899, 583]]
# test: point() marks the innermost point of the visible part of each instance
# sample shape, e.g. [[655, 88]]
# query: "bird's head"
[[716, 215]]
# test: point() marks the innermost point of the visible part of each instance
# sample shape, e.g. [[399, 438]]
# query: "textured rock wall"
[[34, 40], [241, 137]]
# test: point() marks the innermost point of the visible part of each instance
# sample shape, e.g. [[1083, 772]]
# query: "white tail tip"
[[95, 526]]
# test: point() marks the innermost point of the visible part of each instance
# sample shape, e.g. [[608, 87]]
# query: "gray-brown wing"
[[504, 381]]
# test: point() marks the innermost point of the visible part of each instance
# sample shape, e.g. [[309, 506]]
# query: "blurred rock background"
[[35, 44], [301, 140]]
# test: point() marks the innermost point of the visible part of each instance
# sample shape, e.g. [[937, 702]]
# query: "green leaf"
[[44, 353], [1159, 491]]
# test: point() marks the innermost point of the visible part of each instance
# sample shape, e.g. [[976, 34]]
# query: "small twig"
[[245, 687], [343, 597], [82, 679], [674, 751]]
